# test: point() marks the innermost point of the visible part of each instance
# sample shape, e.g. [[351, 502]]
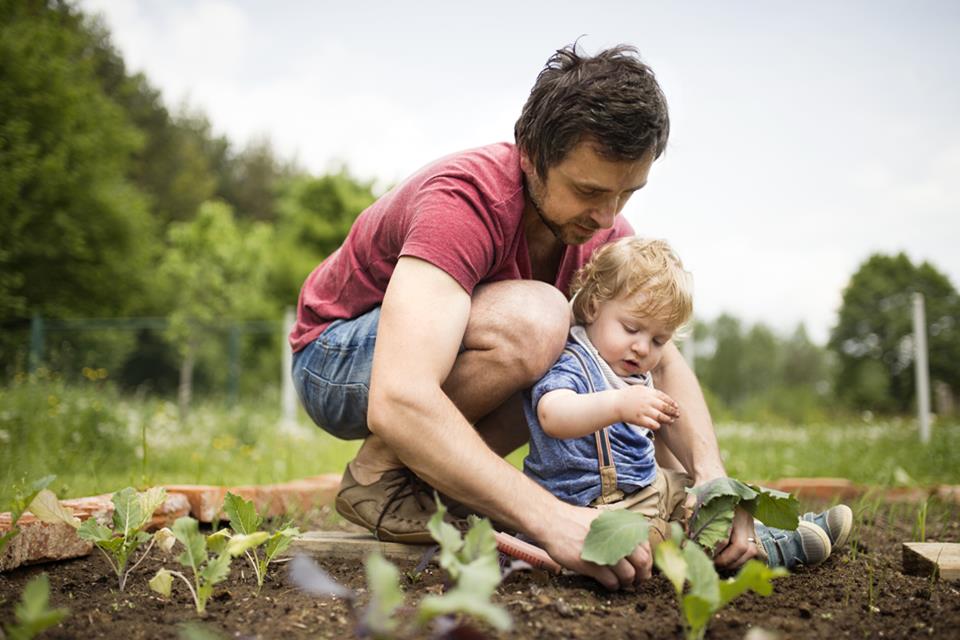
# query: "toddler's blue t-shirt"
[[568, 468]]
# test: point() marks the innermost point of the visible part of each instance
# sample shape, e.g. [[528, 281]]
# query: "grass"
[[97, 441], [885, 453]]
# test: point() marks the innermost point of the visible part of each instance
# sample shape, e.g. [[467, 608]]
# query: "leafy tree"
[[873, 339], [251, 180], [315, 215], [214, 272], [76, 232]]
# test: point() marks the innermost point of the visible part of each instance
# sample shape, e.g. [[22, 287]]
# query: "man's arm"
[[422, 323], [692, 440]]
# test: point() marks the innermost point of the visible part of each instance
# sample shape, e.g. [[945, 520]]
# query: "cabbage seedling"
[[207, 570], [21, 502], [244, 520], [33, 613], [131, 513]]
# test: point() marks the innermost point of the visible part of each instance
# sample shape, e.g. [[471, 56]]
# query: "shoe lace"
[[407, 484]]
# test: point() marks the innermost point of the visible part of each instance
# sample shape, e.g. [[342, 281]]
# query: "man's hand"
[[646, 407], [565, 543], [741, 546]]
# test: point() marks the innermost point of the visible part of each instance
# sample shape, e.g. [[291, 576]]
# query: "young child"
[[594, 415]]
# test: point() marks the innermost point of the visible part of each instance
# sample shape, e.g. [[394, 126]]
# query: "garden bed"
[[860, 592]]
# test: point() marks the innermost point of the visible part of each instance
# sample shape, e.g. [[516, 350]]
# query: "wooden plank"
[[923, 558], [342, 545]]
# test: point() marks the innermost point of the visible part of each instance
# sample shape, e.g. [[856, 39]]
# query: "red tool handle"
[[532, 554]]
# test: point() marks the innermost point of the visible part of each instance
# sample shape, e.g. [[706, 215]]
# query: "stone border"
[[42, 542]]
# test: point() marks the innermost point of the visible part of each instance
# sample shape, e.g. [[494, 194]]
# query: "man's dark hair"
[[611, 98]]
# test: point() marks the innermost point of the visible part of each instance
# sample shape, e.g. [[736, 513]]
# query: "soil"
[[859, 592]]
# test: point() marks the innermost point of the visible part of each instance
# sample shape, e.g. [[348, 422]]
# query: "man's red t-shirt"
[[462, 213]]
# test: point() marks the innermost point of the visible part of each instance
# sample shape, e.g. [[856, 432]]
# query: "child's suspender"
[[608, 471]]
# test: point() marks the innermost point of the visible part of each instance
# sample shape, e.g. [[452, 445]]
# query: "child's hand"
[[646, 407]]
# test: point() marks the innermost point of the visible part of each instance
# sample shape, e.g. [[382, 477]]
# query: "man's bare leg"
[[516, 331]]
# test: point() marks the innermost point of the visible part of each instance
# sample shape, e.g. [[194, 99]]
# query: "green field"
[[96, 440]]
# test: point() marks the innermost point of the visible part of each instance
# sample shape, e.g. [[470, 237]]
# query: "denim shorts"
[[332, 375]]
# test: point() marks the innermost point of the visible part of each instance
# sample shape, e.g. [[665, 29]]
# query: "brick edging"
[[43, 542]]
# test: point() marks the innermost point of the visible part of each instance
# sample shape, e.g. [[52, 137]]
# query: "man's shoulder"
[[493, 170]]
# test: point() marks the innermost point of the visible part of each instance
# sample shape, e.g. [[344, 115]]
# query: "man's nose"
[[605, 214]]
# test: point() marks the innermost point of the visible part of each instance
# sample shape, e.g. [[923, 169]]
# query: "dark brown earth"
[[859, 593]]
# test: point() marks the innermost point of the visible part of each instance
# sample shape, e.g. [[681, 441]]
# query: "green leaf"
[[243, 515], [460, 600], [479, 541], [240, 543], [216, 570], [33, 613], [162, 582], [701, 574], [447, 537], [774, 508], [754, 575], [712, 522], [47, 508], [217, 541], [188, 533], [614, 535], [93, 531], [279, 542], [126, 513], [669, 559], [698, 612], [150, 500], [720, 487], [383, 580]]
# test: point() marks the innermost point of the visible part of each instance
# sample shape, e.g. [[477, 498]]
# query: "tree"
[[76, 233], [315, 216], [214, 273], [873, 339]]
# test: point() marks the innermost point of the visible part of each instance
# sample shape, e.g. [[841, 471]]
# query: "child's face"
[[631, 344]]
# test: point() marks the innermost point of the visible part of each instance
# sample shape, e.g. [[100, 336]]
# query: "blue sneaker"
[[809, 545], [836, 521]]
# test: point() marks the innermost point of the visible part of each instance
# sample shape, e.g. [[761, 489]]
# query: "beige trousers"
[[662, 502]]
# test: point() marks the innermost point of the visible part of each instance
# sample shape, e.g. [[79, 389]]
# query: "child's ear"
[[590, 311]]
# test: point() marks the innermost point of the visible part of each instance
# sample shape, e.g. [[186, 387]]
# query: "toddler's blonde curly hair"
[[647, 272]]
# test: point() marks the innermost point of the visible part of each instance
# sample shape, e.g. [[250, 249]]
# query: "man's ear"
[[524, 162]]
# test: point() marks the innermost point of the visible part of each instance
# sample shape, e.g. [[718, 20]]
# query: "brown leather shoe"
[[395, 508]]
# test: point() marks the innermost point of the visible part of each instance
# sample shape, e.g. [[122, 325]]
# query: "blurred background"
[[171, 172]]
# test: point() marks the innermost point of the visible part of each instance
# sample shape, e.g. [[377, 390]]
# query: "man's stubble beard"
[[534, 191]]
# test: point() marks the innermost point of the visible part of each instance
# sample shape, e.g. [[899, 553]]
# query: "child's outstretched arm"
[[564, 413]]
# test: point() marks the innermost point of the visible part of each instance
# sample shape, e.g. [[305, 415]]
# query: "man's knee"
[[527, 323]]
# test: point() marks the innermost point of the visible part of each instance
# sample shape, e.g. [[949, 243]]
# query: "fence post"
[[288, 395], [233, 378], [36, 343], [920, 365]]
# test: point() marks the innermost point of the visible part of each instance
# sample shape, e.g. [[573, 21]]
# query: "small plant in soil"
[[33, 613], [208, 570], [614, 534], [244, 520], [471, 562], [132, 511], [22, 498]]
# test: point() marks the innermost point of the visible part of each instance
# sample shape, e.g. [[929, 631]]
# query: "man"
[[446, 302]]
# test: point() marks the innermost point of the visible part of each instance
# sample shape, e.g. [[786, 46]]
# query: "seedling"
[[33, 613], [207, 570], [471, 562], [920, 524], [131, 513], [244, 520], [712, 518], [22, 497]]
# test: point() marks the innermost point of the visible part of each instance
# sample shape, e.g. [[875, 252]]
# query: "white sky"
[[805, 136]]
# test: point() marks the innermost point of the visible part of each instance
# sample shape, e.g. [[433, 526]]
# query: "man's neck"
[[543, 247]]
